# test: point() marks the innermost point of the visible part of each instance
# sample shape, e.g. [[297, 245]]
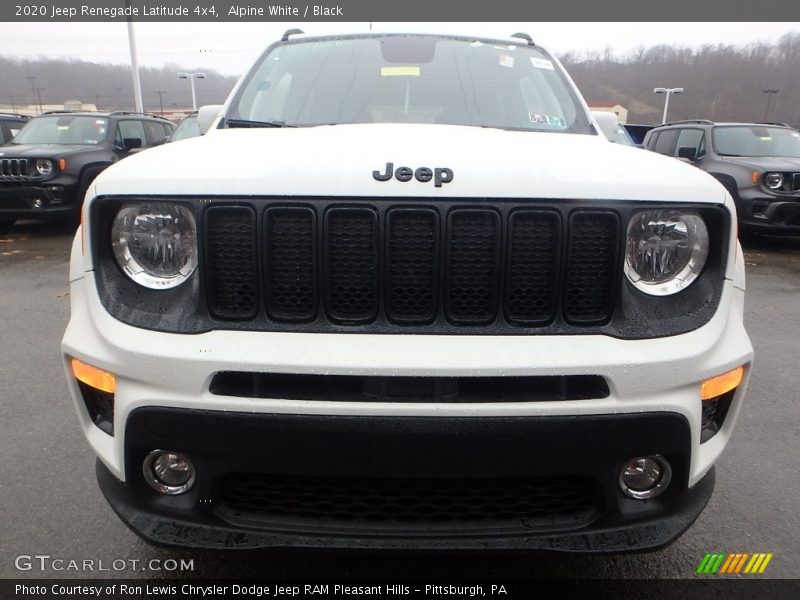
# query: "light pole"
[[667, 91], [191, 77], [770, 94], [32, 78], [160, 100]]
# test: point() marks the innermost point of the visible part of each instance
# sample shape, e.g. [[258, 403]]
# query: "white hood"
[[340, 160]]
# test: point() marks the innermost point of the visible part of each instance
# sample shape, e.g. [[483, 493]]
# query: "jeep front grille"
[[13, 168], [391, 266]]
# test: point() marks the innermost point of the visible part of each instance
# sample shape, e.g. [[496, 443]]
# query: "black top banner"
[[398, 11]]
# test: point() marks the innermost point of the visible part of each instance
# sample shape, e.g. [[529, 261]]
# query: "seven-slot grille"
[[397, 267], [13, 168]]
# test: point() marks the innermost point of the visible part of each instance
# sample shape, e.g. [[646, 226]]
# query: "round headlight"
[[773, 181], [44, 167], [666, 250], [155, 243]]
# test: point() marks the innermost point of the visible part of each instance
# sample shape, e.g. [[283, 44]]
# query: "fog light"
[[645, 477], [168, 472], [37, 203]]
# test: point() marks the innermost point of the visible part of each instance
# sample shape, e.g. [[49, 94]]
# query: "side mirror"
[[687, 152], [131, 143], [206, 116]]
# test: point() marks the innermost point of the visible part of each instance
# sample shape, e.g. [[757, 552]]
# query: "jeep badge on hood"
[[439, 175]]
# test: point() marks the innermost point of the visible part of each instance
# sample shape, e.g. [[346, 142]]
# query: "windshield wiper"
[[246, 123]]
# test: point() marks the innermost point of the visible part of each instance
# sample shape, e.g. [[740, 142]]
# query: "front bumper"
[[480, 460], [770, 213], [169, 375], [56, 197]]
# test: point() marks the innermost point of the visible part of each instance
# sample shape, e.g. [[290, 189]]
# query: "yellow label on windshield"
[[765, 138], [399, 71]]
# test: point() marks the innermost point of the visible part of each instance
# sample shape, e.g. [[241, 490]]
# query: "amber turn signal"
[[716, 386], [94, 377]]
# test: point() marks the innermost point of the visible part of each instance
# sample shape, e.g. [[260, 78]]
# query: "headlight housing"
[[155, 243], [773, 181], [666, 250], [44, 167]]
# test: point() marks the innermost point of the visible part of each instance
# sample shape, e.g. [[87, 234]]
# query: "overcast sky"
[[231, 47]]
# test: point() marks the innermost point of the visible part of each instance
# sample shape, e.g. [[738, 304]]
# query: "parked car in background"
[[758, 163], [196, 123], [10, 124], [46, 170], [612, 129], [187, 128], [637, 132]]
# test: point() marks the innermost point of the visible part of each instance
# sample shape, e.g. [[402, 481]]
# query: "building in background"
[[609, 106]]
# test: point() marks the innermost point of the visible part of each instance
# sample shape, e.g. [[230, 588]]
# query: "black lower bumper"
[[37, 202], [770, 215], [406, 482]]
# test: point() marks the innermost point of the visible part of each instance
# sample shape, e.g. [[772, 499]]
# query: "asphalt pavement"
[[51, 504]]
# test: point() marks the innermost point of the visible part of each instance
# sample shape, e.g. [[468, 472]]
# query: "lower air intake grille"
[[557, 501]]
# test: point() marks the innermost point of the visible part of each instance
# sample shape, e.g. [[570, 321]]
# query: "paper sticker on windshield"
[[399, 71], [765, 138], [550, 120], [506, 61], [542, 63]]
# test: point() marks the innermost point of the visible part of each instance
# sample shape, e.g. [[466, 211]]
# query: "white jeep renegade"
[[404, 294]]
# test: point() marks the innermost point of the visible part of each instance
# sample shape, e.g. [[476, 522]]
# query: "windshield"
[[63, 129], [757, 140], [408, 79], [188, 128]]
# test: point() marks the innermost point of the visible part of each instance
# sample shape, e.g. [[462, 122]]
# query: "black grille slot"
[[473, 266], [291, 264], [532, 280], [351, 270], [231, 270], [412, 277], [796, 182], [592, 266], [14, 167], [557, 502], [357, 388]]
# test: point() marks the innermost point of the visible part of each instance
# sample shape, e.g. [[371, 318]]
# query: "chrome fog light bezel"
[[148, 470], [657, 489]]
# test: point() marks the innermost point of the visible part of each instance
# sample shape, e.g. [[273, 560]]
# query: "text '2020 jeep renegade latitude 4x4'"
[[403, 294]]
